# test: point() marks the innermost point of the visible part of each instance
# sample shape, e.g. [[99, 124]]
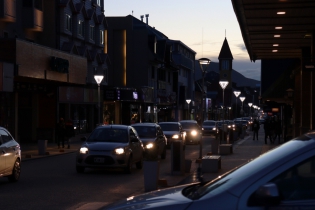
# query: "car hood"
[[168, 133], [103, 145], [147, 140], [155, 199]]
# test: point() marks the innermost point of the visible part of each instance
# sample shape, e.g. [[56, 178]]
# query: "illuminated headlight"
[[84, 150], [119, 151], [202, 128], [229, 126], [214, 129], [75, 127], [194, 133], [149, 146], [176, 136]]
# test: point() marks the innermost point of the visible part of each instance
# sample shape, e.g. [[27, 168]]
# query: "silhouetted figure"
[[267, 130], [278, 129], [255, 128], [61, 132]]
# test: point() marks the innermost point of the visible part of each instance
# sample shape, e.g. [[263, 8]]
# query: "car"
[[193, 131], [282, 178], [111, 146], [10, 156], [209, 127], [153, 139], [249, 120], [173, 131]]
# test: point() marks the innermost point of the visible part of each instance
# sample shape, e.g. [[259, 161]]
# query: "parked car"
[[10, 156], [193, 131], [111, 146], [209, 127], [283, 178], [249, 120], [173, 131], [153, 139]]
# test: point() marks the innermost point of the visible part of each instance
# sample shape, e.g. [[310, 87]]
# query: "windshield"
[[145, 132], [190, 126], [109, 135], [209, 123], [169, 127]]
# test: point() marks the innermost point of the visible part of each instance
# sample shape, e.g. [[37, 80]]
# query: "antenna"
[[202, 44], [225, 33], [132, 12]]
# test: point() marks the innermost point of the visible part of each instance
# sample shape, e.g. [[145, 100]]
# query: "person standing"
[[278, 129], [69, 131], [255, 128], [267, 130], [61, 132]]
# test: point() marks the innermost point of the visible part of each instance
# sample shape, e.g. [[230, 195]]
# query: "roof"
[[225, 52], [258, 21]]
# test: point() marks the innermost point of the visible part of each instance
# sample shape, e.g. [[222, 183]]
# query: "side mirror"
[[267, 194], [83, 138]]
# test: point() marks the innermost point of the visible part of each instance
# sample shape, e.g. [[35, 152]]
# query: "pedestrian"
[[69, 131], [272, 127], [255, 128], [278, 129], [198, 120], [61, 132], [267, 130]]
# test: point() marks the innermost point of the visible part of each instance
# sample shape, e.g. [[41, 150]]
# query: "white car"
[[10, 156], [283, 178]]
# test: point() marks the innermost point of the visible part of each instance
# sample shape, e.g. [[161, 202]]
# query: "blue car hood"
[[158, 199]]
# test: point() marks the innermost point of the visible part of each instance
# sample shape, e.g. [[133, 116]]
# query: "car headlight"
[[214, 129], [229, 126], [175, 136], [119, 151], [84, 150], [194, 133], [149, 146]]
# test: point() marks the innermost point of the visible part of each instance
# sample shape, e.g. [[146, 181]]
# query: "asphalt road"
[[53, 183]]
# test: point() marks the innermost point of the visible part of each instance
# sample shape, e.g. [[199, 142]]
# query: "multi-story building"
[[146, 72], [49, 52]]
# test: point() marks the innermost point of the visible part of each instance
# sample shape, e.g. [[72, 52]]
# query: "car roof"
[[169, 123], [145, 124], [188, 121], [113, 126]]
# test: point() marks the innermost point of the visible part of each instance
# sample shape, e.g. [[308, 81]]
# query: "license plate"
[[98, 160]]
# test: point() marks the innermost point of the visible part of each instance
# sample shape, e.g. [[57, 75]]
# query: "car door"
[[7, 150]]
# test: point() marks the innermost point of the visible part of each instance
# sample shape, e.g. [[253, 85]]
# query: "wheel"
[[128, 167], [163, 155], [139, 164], [16, 172], [80, 169]]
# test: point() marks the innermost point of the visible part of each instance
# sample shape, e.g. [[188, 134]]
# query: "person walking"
[[278, 129], [69, 131], [61, 132], [267, 130], [255, 129]]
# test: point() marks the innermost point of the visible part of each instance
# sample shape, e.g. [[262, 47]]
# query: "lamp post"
[[204, 64], [250, 108], [236, 93], [223, 85], [98, 79], [242, 99], [188, 102]]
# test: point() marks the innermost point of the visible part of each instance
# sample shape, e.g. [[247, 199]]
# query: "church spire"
[[225, 52]]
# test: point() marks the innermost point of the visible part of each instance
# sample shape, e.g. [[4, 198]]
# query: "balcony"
[[7, 11], [33, 19]]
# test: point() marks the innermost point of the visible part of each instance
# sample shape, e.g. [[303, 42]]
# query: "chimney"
[[141, 17], [147, 17]]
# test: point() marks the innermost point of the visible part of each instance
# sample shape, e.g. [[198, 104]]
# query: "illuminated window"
[[81, 28], [101, 37], [68, 22], [225, 65]]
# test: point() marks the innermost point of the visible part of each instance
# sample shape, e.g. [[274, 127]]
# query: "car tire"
[[139, 164], [16, 172], [80, 169], [163, 155], [128, 166]]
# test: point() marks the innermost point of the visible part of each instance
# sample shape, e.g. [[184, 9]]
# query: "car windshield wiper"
[[192, 191]]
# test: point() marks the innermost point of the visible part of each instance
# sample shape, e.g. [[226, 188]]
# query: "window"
[[225, 65], [68, 22], [81, 28], [101, 37], [5, 136], [98, 2], [92, 35]]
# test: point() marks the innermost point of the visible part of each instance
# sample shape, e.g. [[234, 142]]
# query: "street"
[[53, 183]]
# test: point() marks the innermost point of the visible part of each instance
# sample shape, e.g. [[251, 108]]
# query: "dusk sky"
[[202, 25]]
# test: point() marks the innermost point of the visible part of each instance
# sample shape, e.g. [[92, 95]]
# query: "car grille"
[[107, 160]]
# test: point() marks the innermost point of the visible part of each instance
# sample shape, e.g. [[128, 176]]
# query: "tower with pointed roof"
[[225, 69]]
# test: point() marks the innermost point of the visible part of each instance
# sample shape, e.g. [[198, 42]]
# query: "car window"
[[190, 126], [109, 135], [209, 123], [146, 131], [5, 136], [169, 127]]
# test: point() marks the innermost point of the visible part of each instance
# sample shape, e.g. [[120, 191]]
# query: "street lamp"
[[250, 108], [98, 79], [242, 99], [188, 102], [203, 62], [236, 93], [223, 85]]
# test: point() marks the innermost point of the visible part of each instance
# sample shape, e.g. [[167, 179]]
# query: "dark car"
[[153, 138], [209, 127], [111, 146], [193, 131], [173, 131], [283, 178]]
